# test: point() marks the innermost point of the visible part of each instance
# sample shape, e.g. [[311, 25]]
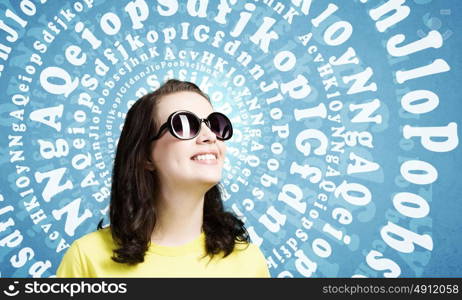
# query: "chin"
[[210, 181]]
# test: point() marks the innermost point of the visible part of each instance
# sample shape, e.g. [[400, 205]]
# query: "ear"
[[149, 165]]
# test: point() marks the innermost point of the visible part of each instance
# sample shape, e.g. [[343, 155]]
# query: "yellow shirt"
[[90, 256]]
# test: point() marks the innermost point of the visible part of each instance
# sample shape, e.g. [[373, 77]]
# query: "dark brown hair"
[[134, 188]]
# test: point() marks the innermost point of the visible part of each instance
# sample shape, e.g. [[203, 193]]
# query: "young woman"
[[166, 213]]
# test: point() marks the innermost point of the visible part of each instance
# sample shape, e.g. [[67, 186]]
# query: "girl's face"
[[174, 159]]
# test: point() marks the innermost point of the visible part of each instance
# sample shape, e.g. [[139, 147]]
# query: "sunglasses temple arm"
[[161, 129]]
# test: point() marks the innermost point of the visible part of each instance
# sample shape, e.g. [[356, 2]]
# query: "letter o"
[[314, 214], [427, 173], [152, 36], [30, 69], [321, 248], [276, 113], [28, 7], [343, 36], [110, 23], [408, 101], [272, 164], [239, 80], [335, 105], [419, 210], [277, 148], [78, 6], [80, 116], [22, 182], [234, 188], [285, 61]]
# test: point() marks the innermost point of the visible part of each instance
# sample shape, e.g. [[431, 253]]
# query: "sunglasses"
[[185, 125]]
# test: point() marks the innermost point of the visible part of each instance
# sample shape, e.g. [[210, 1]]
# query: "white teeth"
[[204, 157]]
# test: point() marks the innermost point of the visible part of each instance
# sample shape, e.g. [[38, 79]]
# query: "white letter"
[[403, 240], [73, 220], [55, 72], [138, 11], [427, 133]]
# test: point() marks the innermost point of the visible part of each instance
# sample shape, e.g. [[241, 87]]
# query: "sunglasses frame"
[[168, 124]]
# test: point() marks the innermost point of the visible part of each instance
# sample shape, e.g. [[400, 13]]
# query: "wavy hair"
[[134, 188]]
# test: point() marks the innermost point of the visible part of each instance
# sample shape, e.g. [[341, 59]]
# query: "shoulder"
[[100, 239], [251, 256], [248, 253], [248, 250], [248, 247], [85, 252], [92, 245]]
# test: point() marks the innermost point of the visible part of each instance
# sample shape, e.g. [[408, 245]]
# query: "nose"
[[206, 134]]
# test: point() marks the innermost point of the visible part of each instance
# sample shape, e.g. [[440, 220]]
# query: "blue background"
[[389, 150]]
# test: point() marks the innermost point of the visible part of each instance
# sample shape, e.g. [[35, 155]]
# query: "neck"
[[179, 216]]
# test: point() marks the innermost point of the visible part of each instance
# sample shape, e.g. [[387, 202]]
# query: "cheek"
[[160, 154], [168, 155]]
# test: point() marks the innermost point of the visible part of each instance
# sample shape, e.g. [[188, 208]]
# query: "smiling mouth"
[[204, 157]]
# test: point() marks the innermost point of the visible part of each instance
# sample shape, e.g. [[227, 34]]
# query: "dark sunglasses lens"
[[185, 125], [221, 126]]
